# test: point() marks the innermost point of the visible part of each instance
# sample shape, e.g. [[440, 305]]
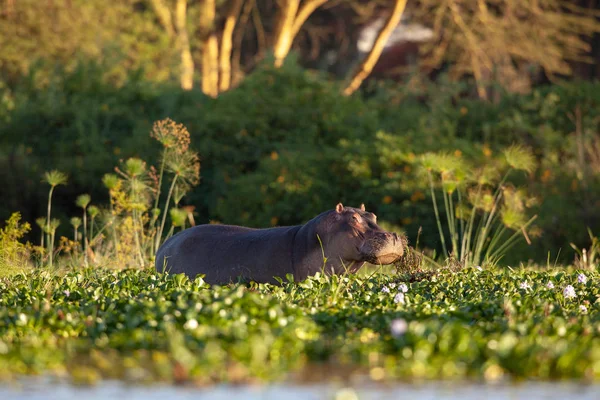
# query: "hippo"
[[337, 241]]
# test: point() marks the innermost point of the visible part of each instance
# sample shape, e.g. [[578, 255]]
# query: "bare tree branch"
[[237, 49], [369, 62], [285, 24], [260, 31], [290, 21], [164, 16], [226, 45], [307, 9]]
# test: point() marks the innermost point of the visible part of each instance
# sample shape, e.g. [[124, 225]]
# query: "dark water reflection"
[[47, 390]]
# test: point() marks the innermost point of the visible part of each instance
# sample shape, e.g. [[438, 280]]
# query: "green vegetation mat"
[[142, 326]]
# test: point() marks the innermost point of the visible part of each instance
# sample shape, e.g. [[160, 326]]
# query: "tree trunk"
[[164, 16], [285, 24], [210, 49], [289, 24], [226, 45], [307, 9], [236, 72], [187, 63], [369, 62]]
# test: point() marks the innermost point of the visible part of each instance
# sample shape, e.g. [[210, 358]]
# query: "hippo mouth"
[[386, 258]]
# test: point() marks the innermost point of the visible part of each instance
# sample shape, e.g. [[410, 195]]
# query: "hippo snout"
[[383, 248]]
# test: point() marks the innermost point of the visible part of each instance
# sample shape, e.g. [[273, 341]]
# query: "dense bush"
[[285, 145]]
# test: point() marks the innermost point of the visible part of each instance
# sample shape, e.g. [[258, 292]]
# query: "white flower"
[[67, 293], [569, 292], [398, 327], [581, 278], [550, 285], [403, 288], [525, 285], [478, 268], [399, 298], [583, 309], [191, 324], [385, 289]]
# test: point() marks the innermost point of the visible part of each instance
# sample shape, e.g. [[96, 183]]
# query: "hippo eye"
[[356, 217]]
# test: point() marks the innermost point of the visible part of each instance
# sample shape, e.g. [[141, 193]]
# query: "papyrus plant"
[[485, 215]]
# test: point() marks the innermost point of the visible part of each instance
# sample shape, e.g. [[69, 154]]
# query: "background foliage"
[[286, 143]]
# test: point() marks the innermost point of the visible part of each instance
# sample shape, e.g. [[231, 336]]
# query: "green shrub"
[[284, 145], [14, 255]]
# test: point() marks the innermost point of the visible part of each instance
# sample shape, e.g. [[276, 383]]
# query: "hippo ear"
[[362, 207], [339, 208]]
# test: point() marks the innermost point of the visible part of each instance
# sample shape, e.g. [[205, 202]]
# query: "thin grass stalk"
[[484, 233], [136, 236], [510, 241], [164, 217], [85, 243], [454, 232], [91, 236], [471, 224], [448, 217], [437, 214], [487, 218], [136, 233], [51, 246], [495, 238], [48, 222], [158, 192], [112, 224], [461, 225]]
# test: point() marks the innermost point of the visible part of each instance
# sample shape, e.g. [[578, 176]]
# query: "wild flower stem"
[[164, 217]]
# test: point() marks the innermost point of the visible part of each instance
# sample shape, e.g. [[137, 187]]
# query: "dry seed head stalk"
[[186, 165], [171, 135]]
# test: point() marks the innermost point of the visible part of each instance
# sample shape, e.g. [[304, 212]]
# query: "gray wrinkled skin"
[[347, 236]]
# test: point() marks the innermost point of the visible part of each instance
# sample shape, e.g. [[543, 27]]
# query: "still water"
[[48, 390]]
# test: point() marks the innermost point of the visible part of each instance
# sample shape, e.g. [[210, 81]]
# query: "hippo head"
[[356, 237]]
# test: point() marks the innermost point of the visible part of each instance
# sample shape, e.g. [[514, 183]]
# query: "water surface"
[[46, 389]]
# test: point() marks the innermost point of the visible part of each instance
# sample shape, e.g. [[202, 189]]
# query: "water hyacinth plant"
[[484, 214], [143, 326]]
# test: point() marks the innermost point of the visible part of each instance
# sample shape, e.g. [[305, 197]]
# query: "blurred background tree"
[[507, 42], [259, 84], [502, 41]]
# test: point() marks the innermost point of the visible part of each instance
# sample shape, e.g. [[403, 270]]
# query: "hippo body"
[[347, 237]]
